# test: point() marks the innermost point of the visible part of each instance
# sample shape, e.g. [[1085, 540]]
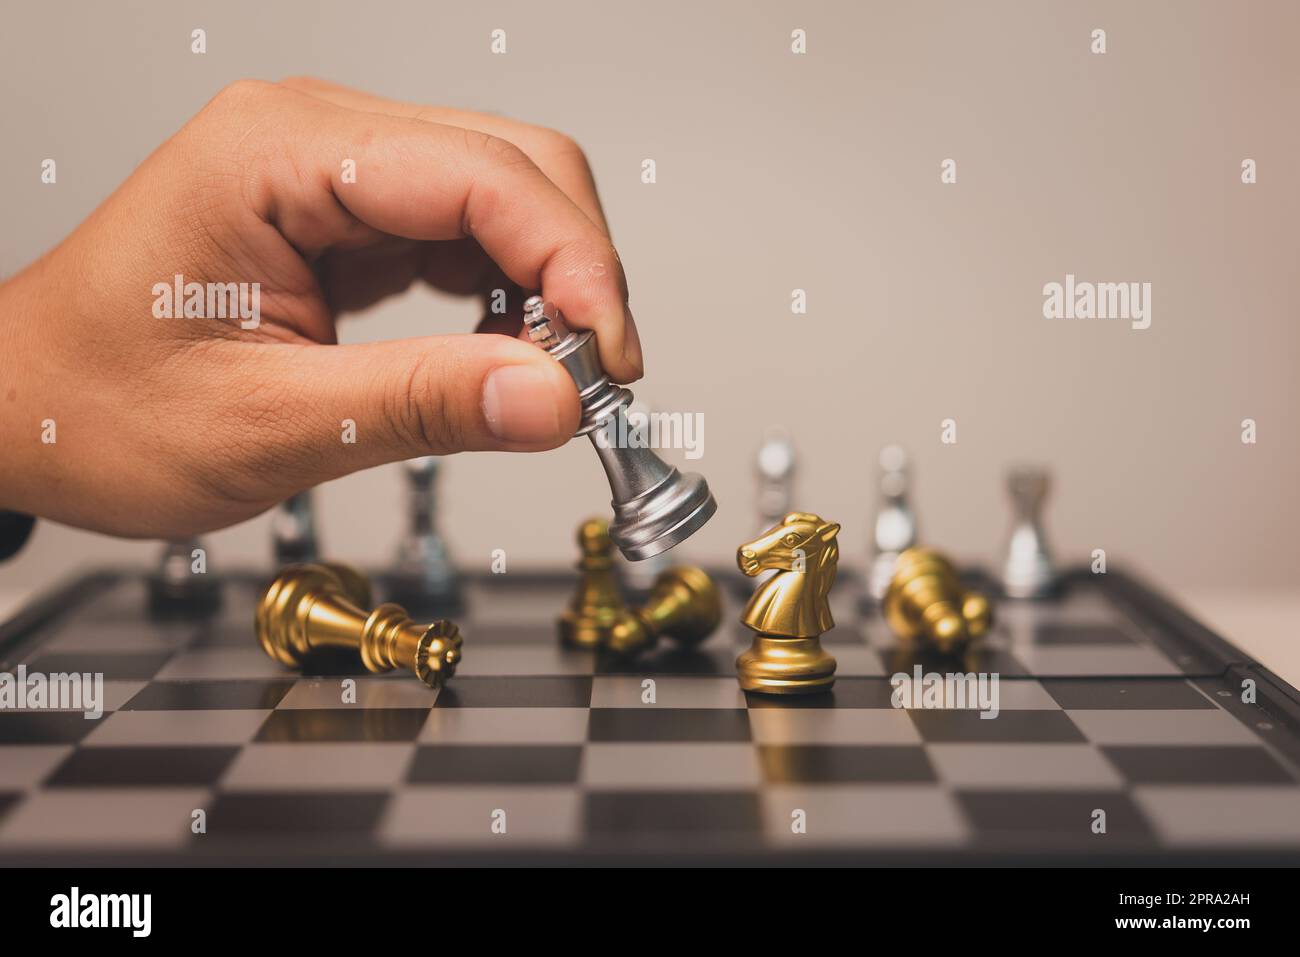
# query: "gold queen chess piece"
[[790, 611], [927, 603], [313, 607], [655, 506]]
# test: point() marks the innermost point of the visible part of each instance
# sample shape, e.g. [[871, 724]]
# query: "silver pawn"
[[896, 528], [775, 465], [293, 530], [1029, 571], [424, 579]]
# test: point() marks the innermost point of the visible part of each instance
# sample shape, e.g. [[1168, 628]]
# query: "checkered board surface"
[[1110, 699]]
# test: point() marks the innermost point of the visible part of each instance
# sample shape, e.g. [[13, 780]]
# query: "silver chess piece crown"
[[1029, 571], [655, 506], [896, 528]]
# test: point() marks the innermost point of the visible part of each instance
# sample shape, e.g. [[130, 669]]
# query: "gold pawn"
[[683, 605], [597, 605], [926, 599], [309, 607]]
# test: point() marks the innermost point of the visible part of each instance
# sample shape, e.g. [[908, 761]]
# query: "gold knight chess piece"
[[927, 602], [790, 611], [313, 607], [597, 604]]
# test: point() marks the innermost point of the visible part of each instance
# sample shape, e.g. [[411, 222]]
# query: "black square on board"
[[636, 813], [495, 764], [669, 724], [1125, 694], [264, 814], [44, 727], [521, 692], [1227, 765], [134, 767], [845, 693], [1069, 814], [243, 694], [317, 725], [844, 764], [968, 726]]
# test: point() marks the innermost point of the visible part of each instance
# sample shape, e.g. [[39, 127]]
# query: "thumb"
[[322, 411]]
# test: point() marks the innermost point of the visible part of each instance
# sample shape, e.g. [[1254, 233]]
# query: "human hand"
[[164, 425]]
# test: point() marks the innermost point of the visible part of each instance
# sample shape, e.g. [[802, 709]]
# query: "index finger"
[[555, 154], [428, 181]]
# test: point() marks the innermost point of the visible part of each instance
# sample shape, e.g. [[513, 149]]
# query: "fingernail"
[[632, 342], [520, 405]]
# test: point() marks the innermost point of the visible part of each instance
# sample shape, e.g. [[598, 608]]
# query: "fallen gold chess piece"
[[927, 603], [791, 610], [683, 605], [311, 607]]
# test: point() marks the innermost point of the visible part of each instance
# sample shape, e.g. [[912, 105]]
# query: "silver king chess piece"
[[424, 579], [293, 530], [895, 529], [639, 578], [655, 506], [1029, 571]]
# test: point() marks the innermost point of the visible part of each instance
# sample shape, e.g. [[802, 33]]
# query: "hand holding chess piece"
[[790, 611], [683, 604], [210, 464], [927, 602], [655, 506], [312, 607]]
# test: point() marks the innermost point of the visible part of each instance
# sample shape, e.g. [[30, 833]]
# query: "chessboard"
[[1111, 700]]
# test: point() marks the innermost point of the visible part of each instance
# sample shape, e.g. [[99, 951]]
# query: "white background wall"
[[819, 172]]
